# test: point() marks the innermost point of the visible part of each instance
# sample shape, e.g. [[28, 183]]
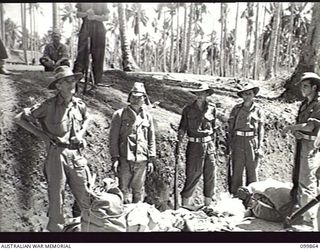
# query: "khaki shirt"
[[306, 111], [56, 53], [58, 120], [194, 121], [245, 119], [132, 135]]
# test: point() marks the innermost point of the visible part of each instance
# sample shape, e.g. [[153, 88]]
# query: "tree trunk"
[[289, 49], [184, 37], [24, 30], [186, 63], [171, 43], [178, 41], [55, 21], [164, 45], [308, 61], [128, 63], [273, 42], [139, 35], [2, 24], [256, 46], [221, 39], [235, 65]]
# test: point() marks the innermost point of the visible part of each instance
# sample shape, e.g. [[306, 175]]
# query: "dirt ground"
[[23, 187]]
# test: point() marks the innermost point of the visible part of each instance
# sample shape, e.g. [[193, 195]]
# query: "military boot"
[[207, 201]]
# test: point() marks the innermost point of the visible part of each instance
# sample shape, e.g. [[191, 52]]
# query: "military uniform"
[[244, 131], [200, 149], [96, 31], [64, 162], [132, 141], [53, 54], [305, 166]]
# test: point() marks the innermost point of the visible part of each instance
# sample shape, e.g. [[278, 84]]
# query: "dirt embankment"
[[22, 155]]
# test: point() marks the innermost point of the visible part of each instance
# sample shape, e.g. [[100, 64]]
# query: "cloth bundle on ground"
[[142, 217], [269, 200], [106, 212]]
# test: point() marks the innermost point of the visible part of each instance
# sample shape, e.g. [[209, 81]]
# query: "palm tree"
[[256, 45], [138, 16], [24, 30], [235, 42], [185, 64], [289, 47], [184, 36], [128, 62], [113, 29], [55, 19], [273, 42], [12, 33], [2, 23], [248, 14], [309, 54]]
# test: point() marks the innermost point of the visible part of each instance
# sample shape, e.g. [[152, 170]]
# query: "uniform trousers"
[[65, 166], [132, 175], [97, 33], [200, 160], [307, 161], [243, 157]]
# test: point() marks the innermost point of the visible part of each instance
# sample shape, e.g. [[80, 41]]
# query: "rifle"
[[293, 217], [89, 70], [176, 175], [229, 163]]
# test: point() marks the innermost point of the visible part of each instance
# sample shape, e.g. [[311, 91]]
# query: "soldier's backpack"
[[269, 200]]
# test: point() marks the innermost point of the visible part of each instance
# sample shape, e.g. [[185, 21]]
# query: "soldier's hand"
[[150, 167], [298, 135], [315, 121], [258, 152], [115, 166]]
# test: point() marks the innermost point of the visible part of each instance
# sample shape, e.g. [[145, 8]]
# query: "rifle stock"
[[292, 218]]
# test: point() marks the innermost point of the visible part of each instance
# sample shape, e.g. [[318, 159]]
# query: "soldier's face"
[[202, 95], [56, 39], [137, 100], [248, 95], [67, 87], [307, 89]]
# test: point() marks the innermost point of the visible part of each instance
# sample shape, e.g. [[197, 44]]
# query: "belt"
[[201, 139], [308, 137], [242, 133], [72, 146]]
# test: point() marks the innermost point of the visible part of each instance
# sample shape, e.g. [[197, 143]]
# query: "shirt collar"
[[61, 101]]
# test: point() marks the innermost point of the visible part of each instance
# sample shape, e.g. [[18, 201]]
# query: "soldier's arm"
[[86, 120], [260, 130], [25, 118], [46, 53], [114, 135], [182, 125]]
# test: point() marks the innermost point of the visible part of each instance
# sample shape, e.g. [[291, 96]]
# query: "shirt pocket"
[[78, 120], [126, 126], [145, 126]]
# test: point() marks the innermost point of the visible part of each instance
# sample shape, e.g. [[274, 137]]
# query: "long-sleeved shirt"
[[132, 135], [55, 53]]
